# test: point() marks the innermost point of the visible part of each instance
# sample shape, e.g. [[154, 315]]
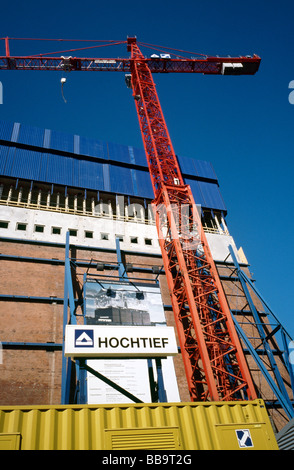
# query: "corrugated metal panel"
[[43, 167], [90, 175], [31, 135], [187, 165], [67, 171], [140, 157], [75, 172], [9, 161], [144, 184], [191, 166], [185, 426], [198, 196], [62, 141], [6, 130], [47, 134], [119, 153], [132, 155], [93, 148], [134, 181], [15, 131], [211, 195], [3, 157], [26, 163], [106, 177], [76, 143], [204, 169], [285, 437], [59, 170], [121, 180]]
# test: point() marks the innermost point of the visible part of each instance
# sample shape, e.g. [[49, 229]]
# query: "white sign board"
[[120, 341], [130, 374]]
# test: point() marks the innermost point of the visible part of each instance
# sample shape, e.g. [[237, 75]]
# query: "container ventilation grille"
[[149, 439]]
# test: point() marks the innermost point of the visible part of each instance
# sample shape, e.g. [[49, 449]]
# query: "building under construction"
[[124, 299], [100, 194]]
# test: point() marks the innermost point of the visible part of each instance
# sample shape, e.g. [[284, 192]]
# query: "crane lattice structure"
[[214, 361]]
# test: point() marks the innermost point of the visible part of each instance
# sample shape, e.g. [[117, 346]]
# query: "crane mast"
[[213, 358]]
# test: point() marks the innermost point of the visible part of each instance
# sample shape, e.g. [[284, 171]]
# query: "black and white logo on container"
[[244, 438]]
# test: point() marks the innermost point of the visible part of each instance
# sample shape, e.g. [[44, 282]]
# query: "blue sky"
[[243, 125]]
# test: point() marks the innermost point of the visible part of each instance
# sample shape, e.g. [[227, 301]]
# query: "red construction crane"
[[215, 365]]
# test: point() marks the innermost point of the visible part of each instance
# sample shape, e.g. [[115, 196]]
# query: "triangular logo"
[[84, 338]]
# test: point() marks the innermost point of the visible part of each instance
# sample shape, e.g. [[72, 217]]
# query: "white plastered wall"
[[99, 226]]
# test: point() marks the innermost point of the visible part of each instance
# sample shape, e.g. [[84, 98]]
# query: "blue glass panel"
[[187, 165], [205, 169], [132, 156], [120, 180], [144, 185], [15, 131], [26, 164], [140, 157], [90, 175], [76, 143], [9, 161], [75, 172], [106, 177], [93, 148], [31, 135], [194, 185], [118, 153], [212, 196], [60, 170], [6, 130], [3, 156], [43, 166], [134, 181], [62, 141], [47, 135]]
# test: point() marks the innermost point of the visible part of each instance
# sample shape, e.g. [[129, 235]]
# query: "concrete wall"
[[144, 233]]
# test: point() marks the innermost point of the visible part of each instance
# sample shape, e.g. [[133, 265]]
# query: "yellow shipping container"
[[160, 426]]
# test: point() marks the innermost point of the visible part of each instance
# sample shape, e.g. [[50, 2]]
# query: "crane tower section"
[[214, 362]]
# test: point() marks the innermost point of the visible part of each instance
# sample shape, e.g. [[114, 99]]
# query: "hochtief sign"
[[120, 341]]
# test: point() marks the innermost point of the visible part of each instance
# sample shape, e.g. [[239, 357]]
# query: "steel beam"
[[285, 403], [69, 301], [279, 389]]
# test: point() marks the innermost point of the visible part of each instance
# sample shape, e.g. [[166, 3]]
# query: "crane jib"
[[218, 66]]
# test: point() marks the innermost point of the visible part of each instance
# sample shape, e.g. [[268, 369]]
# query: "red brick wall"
[[34, 376], [29, 377]]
